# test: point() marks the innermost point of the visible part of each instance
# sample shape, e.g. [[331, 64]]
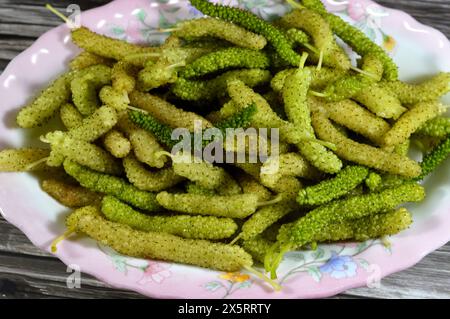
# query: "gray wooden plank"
[[18, 286], [419, 7], [11, 47], [24, 276], [3, 64], [435, 13], [84, 4], [428, 279], [27, 14], [12, 240], [20, 30], [39, 267], [35, 12], [34, 18]]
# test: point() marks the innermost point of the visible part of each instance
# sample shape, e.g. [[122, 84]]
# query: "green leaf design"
[[298, 257], [172, 10], [319, 253], [141, 15], [245, 284], [371, 34], [369, 31], [361, 247], [118, 30], [163, 22], [119, 263], [388, 249], [364, 264], [241, 3], [143, 268], [213, 285], [271, 16], [249, 5], [315, 273]]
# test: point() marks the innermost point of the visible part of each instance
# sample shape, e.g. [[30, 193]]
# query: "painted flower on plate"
[[155, 273], [389, 43], [340, 267], [356, 10], [235, 277], [230, 283]]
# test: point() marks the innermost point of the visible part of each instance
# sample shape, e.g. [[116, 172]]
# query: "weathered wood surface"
[[27, 272]]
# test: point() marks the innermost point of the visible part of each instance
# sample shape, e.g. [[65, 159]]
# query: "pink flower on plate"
[[155, 273], [389, 43], [357, 10]]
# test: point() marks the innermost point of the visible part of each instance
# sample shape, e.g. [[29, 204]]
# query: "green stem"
[[57, 13], [303, 60]]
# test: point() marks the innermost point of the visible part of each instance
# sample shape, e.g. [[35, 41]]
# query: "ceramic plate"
[[420, 51]]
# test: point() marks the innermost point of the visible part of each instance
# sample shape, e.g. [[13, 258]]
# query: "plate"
[[420, 51]]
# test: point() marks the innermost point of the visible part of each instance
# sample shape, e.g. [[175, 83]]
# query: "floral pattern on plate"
[[144, 28]]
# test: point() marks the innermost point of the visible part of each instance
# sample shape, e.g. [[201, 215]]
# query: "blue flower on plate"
[[340, 267]]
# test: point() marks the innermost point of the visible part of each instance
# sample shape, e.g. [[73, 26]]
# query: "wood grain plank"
[[27, 14], [84, 4], [12, 240], [20, 30], [3, 64], [428, 279], [34, 19], [47, 278], [11, 47], [35, 12]]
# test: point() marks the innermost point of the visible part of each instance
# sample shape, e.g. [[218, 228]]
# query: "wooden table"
[[27, 272]]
